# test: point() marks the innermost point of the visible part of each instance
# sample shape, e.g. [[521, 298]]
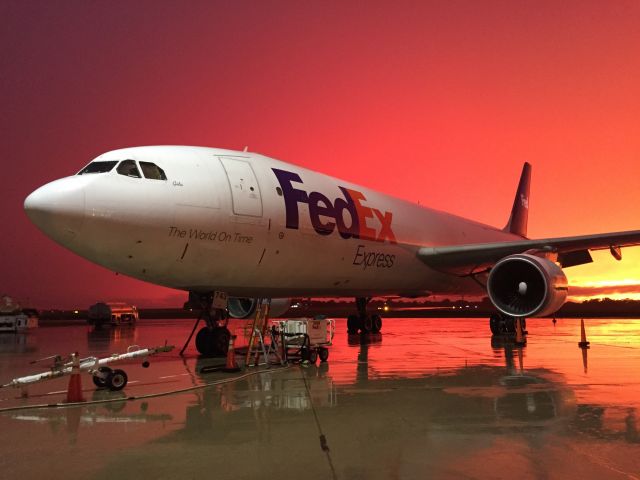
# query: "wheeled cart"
[[103, 376], [308, 338]]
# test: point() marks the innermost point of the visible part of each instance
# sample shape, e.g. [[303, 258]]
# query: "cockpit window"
[[128, 168], [152, 171], [98, 167]]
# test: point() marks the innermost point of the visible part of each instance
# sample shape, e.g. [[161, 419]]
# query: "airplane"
[[248, 227]]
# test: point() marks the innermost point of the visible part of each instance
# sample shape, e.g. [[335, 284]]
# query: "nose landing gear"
[[212, 340]]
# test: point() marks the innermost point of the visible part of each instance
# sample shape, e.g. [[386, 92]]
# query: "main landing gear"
[[363, 322], [501, 324], [212, 340]]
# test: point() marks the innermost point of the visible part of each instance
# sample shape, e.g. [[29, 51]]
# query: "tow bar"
[[102, 375]]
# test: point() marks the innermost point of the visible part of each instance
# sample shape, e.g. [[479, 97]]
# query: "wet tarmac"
[[427, 398]]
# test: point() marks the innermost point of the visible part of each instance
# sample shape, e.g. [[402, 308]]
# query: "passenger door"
[[245, 192]]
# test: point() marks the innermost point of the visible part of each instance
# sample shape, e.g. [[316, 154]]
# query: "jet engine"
[[240, 307], [524, 285]]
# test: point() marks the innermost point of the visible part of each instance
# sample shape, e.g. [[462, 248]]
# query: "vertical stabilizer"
[[520, 211]]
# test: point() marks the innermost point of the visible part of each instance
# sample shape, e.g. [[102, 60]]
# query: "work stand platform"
[[282, 341]]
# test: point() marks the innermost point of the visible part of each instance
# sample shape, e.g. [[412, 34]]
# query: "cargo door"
[[245, 192]]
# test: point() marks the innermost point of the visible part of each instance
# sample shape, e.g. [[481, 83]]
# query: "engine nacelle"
[[524, 285], [246, 307]]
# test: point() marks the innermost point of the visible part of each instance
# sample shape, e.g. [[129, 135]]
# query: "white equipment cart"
[[307, 337]]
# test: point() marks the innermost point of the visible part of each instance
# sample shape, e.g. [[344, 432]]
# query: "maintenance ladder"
[[259, 332]]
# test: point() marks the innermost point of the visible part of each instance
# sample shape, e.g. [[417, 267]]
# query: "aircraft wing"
[[475, 258]]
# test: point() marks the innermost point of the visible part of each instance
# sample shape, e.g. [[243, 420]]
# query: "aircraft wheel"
[[376, 323], [323, 353], [496, 324], [204, 342], [100, 380], [117, 380], [221, 341], [213, 342], [366, 325], [509, 324], [353, 324], [501, 324], [313, 356]]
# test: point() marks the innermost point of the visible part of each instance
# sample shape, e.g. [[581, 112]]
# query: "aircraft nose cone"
[[57, 208]]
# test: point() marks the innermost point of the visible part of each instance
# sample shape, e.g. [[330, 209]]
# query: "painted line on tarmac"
[[173, 376]]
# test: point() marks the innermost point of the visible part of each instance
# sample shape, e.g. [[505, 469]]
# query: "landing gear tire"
[[323, 353], [501, 324], [362, 321], [353, 324], [496, 324], [221, 341], [510, 325], [313, 356], [117, 380], [100, 380], [376, 323], [367, 324], [213, 342], [204, 343]]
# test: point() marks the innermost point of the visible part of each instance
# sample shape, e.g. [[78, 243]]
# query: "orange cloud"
[[616, 292]]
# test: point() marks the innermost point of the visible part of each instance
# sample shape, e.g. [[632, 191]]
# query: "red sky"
[[437, 102]]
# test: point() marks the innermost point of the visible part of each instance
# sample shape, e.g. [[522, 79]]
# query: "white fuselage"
[[220, 221]]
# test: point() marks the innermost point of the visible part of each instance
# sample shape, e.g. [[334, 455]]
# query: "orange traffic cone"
[[74, 391], [232, 364], [520, 338], [583, 336]]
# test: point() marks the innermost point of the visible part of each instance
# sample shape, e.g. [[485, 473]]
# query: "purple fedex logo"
[[327, 216]]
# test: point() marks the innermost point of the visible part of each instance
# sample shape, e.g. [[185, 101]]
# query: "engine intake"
[[246, 307], [524, 285]]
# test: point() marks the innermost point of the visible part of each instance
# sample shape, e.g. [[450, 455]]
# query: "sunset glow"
[[435, 102], [606, 277]]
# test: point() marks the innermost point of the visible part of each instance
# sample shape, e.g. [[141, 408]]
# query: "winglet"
[[517, 223]]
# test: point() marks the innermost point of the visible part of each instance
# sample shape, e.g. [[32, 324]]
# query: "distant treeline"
[[393, 308]]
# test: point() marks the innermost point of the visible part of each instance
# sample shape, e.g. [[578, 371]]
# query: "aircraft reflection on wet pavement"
[[406, 403]]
